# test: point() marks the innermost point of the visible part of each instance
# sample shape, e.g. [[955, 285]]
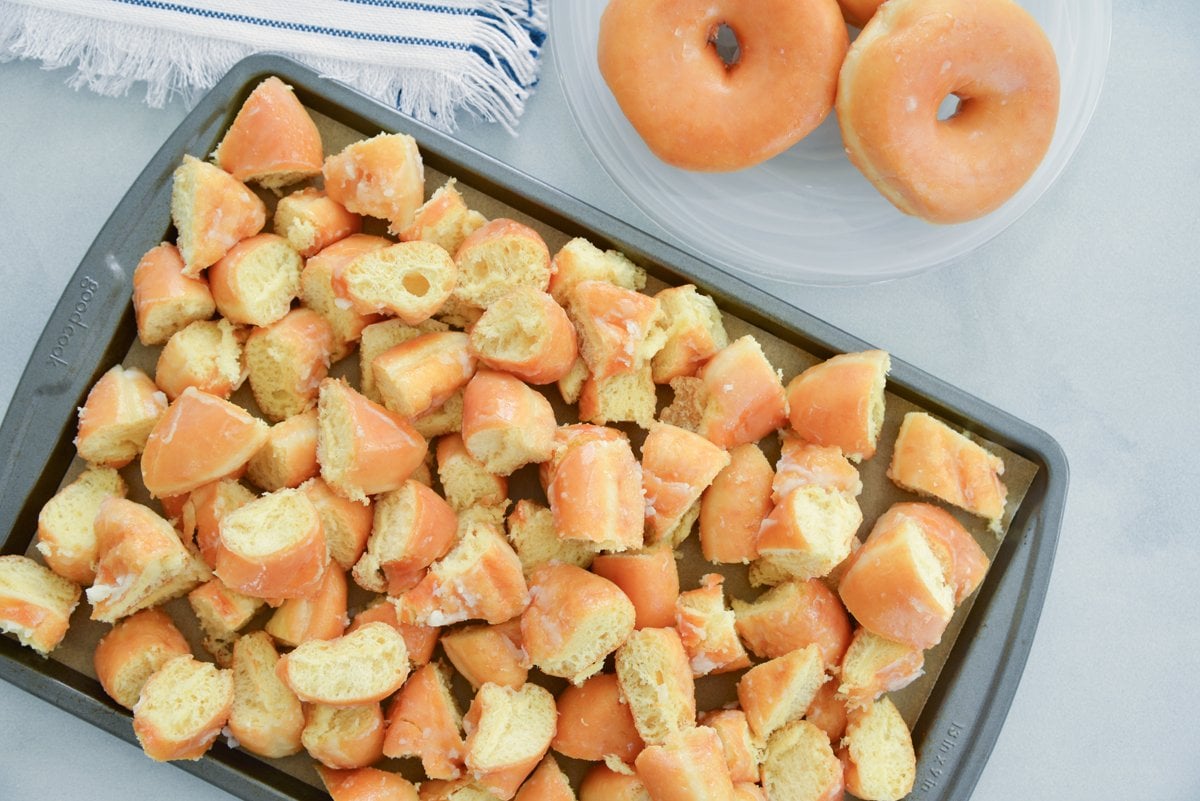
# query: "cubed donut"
[[877, 753], [272, 141], [286, 362], [628, 397], [509, 729], [222, 614], [445, 419], [570, 386], [694, 333], [931, 458], [422, 373], [594, 722], [602, 783], [381, 177], [266, 718], [874, 665], [382, 336], [799, 764], [361, 667], [572, 435], [413, 528], [344, 737], [546, 783], [35, 603], [141, 561], [363, 448], [619, 329], [257, 280], [677, 466], [649, 577], [480, 578], [840, 402], [531, 532], [828, 711], [133, 650], [319, 616], [580, 260], [498, 256], [407, 280], [706, 629], [207, 355], [420, 640], [289, 456], [345, 523], [810, 532], [964, 563], [596, 493], [488, 654], [689, 765], [506, 423], [744, 398], [742, 754], [200, 518], [465, 481], [424, 721], [780, 690], [366, 784], [317, 289], [212, 211], [574, 620], [525, 332], [273, 547], [656, 681], [182, 708], [734, 506], [311, 221], [200, 439], [116, 419], [66, 538], [164, 299], [444, 219], [792, 615], [803, 464]]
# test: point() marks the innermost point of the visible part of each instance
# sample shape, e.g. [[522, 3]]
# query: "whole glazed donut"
[[910, 56], [695, 111]]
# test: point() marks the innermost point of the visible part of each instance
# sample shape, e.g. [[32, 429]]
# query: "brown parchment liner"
[[711, 691]]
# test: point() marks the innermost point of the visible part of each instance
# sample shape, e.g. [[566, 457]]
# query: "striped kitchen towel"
[[430, 59]]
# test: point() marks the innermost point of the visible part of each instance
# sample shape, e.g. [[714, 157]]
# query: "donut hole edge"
[[725, 41]]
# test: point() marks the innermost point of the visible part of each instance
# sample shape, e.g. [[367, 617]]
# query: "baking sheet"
[[713, 691]]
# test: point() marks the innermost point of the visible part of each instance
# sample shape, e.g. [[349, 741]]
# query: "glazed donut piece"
[[700, 114], [913, 53]]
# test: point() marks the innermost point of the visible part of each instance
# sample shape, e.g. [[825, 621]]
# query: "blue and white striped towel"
[[429, 59]]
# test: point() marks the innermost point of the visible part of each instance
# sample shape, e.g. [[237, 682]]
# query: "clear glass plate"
[[808, 216]]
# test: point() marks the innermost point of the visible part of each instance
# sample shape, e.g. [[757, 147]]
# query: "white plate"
[[808, 216]]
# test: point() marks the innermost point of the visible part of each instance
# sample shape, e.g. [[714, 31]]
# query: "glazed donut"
[[914, 53], [661, 60]]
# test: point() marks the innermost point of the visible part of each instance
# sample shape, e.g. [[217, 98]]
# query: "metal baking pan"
[[92, 328]]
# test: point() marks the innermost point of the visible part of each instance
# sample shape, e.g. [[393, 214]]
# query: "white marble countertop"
[[1083, 318]]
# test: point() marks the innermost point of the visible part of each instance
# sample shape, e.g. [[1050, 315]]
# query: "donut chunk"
[[207, 355], [694, 332], [531, 532], [810, 532], [343, 737], [311, 221], [272, 140], [828, 711], [594, 723], [121, 410], [35, 603], [596, 493], [546, 783], [878, 756], [620, 329], [255, 282], [649, 577], [912, 54], [506, 423], [164, 299], [874, 665], [383, 335], [286, 362], [345, 523], [933, 459], [706, 629], [780, 690], [366, 784], [317, 290], [528, 334], [266, 718], [212, 211], [422, 373], [574, 620], [182, 708], [424, 722], [656, 681], [688, 766], [319, 616], [413, 527], [498, 256], [580, 260], [222, 613], [66, 538], [289, 456], [741, 751], [444, 219], [362, 667], [743, 395], [803, 464], [677, 466], [420, 640], [792, 615], [840, 402], [799, 764], [200, 517], [465, 481], [734, 506], [408, 280], [509, 733], [381, 177], [133, 650], [272, 547], [699, 113]]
